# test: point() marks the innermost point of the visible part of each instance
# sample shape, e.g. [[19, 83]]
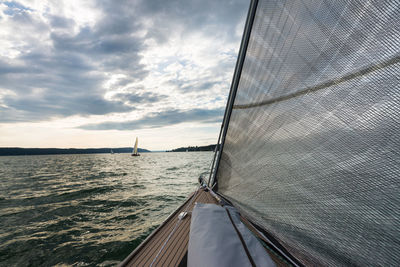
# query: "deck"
[[155, 251]]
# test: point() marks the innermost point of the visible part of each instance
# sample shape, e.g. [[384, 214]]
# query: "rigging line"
[[274, 246], [241, 239], [211, 168], [323, 85], [235, 81], [242, 50], [174, 229]]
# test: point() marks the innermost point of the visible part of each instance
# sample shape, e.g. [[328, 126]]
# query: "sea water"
[[89, 210]]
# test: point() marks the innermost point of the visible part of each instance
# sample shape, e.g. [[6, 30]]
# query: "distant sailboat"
[[112, 152], [134, 151]]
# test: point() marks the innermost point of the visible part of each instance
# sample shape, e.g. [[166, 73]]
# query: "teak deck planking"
[[176, 248]]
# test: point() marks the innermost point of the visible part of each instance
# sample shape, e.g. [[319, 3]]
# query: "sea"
[[89, 210]]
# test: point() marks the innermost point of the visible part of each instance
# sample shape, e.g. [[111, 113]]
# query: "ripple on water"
[[88, 209]]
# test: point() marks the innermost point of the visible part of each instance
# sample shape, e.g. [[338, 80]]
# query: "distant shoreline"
[[19, 151], [193, 148]]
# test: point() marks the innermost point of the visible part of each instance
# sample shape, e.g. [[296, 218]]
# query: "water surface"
[[88, 210]]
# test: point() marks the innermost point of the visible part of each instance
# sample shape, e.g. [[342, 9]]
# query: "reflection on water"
[[88, 209]]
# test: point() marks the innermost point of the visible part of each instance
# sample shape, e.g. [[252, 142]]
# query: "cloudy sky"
[[99, 73]]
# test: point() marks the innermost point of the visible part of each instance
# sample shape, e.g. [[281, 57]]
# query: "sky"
[[99, 73]]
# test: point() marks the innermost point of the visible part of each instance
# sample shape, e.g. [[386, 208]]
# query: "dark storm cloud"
[[66, 76], [161, 119]]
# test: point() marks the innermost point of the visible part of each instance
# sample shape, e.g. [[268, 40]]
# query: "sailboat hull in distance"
[[135, 155]]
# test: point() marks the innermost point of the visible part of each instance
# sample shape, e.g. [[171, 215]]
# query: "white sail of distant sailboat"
[[135, 148]]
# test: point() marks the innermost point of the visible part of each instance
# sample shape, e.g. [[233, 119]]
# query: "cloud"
[[61, 22], [100, 58], [212, 17], [160, 119], [138, 98], [65, 75]]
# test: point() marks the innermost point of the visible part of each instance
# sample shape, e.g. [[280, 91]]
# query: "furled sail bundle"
[[310, 144]]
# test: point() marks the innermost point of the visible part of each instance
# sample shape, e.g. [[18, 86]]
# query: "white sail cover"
[[312, 150], [213, 240]]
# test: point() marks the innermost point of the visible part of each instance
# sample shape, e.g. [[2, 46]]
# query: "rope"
[[246, 249], [326, 84], [174, 229]]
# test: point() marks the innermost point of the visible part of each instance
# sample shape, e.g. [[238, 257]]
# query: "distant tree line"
[[194, 148], [17, 151]]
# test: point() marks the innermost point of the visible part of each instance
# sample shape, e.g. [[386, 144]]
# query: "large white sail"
[[135, 148]]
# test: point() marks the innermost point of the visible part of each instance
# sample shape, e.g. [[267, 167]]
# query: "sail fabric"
[[312, 150], [135, 147]]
